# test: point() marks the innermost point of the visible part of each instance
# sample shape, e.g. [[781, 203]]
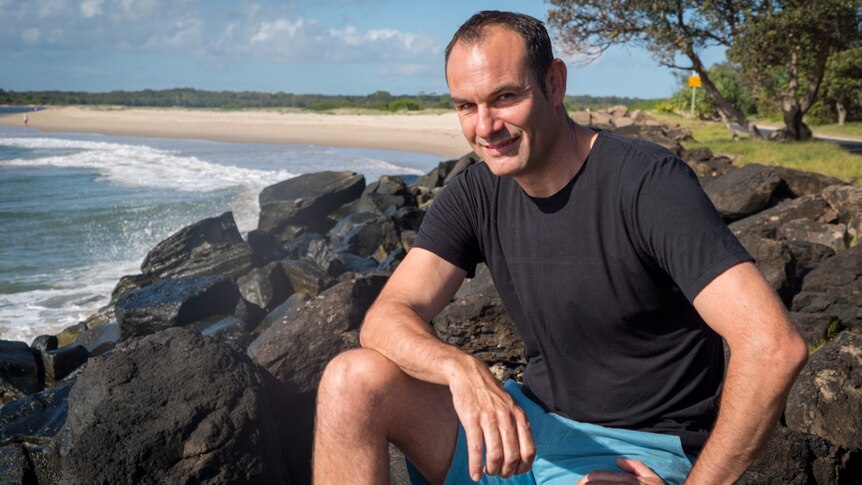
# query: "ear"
[[555, 80]]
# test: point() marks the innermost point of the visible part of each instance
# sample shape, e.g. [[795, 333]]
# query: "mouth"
[[502, 147]]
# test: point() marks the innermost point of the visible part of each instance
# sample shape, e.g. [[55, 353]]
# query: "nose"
[[485, 122]]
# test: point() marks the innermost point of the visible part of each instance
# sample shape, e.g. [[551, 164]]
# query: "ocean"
[[78, 211]]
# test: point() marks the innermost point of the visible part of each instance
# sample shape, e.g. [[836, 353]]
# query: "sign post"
[[694, 82]]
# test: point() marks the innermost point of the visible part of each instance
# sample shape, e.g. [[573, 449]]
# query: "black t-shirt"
[[599, 280]]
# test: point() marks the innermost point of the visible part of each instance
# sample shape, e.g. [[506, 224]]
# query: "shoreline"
[[426, 132]]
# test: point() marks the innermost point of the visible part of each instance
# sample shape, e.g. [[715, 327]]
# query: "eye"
[[464, 106]]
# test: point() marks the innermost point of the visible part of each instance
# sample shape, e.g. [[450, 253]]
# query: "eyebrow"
[[500, 89]]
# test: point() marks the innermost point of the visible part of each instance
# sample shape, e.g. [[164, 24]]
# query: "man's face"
[[504, 114]]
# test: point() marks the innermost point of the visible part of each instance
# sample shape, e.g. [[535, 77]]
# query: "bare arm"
[[397, 327], [766, 355]]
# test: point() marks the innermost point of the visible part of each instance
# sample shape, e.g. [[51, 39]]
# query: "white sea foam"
[[74, 295], [141, 165]]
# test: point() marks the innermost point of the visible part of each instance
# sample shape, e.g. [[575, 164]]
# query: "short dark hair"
[[532, 31]]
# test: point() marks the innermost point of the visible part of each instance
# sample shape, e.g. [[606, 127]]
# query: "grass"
[[852, 129], [812, 156]]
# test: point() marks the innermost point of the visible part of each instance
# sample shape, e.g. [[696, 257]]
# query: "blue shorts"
[[566, 450]]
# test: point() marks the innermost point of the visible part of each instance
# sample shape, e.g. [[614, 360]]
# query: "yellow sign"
[[694, 82]]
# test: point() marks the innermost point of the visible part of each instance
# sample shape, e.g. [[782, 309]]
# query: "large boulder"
[[826, 399], [365, 234], [845, 199], [36, 418], [799, 183], [794, 458], [174, 303], [829, 235], [307, 199], [297, 347], [209, 247], [384, 197], [767, 222], [478, 324], [266, 287], [173, 407], [742, 192], [834, 289], [19, 371]]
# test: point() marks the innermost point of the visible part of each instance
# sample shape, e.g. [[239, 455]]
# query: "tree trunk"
[[842, 112], [725, 109], [796, 129]]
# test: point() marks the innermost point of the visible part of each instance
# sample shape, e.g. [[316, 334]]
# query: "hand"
[[490, 415], [638, 473]]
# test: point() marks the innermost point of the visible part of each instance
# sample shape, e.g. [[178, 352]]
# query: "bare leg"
[[364, 402]]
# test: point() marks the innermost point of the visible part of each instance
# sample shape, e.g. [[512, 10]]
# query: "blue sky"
[[299, 46]]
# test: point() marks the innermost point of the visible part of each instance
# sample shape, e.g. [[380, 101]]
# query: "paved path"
[[852, 145]]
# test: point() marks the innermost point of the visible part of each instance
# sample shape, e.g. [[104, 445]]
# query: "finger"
[[493, 447], [526, 443], [511, 447], [636, 467], [474, 450]]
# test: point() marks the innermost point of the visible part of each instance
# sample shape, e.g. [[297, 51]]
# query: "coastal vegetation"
[[233, 100]]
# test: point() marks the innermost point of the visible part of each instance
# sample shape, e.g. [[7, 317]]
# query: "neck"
[[562, 161]]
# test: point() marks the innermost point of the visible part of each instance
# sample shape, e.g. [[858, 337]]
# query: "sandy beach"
[[433, 133]]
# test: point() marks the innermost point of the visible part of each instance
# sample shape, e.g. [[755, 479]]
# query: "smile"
[[503, 146]]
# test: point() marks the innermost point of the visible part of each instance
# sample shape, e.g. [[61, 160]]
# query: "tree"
[[842, 81], [785, 50], [671, 29]]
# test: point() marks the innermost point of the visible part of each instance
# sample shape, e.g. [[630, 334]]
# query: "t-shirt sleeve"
[[448, 229], [679, 228]]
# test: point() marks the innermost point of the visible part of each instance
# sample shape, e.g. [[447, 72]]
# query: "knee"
[[356, 377]]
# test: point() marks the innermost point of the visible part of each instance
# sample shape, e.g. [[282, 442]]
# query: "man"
[[619, 276]]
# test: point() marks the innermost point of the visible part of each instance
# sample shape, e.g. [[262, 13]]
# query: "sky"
[[294, 46]]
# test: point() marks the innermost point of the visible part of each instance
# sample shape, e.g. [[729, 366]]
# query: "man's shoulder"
[[624, 148]]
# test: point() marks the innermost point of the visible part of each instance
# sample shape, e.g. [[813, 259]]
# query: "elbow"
[[796, 354]]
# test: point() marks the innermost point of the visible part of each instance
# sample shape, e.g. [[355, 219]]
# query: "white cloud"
[[31, 36], [91, 8], [274, 30]]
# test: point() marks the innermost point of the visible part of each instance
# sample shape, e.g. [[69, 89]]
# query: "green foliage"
[[780, 46], [405, 104], [732, 86], [225, 100], [832, 330]]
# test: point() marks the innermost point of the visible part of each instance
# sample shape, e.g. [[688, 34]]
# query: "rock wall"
[[204, 367]]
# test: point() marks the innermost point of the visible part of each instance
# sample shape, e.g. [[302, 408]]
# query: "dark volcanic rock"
[[462, 164], [266, 287], [265, 246], [384, 197], [775, 260], [799, 183], [173, 407], [365, 234], [36, 418], [845, 199], [478, 324], [296, 348], [815, 328], [742, 192], [209, 247], [305, 277], [175, 302], [834, 289], [59, 363], [826, 399], [99, 340], [766, 223], [794, 458], [435, 177], [480, 282], [19, 371], [298, 345], [307, 199], [280, 311], [829, 235], [126, 284], [44, 343], [15, 466]]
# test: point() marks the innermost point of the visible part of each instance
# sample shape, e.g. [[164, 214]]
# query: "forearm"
[[754, 394], [402, 335]]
